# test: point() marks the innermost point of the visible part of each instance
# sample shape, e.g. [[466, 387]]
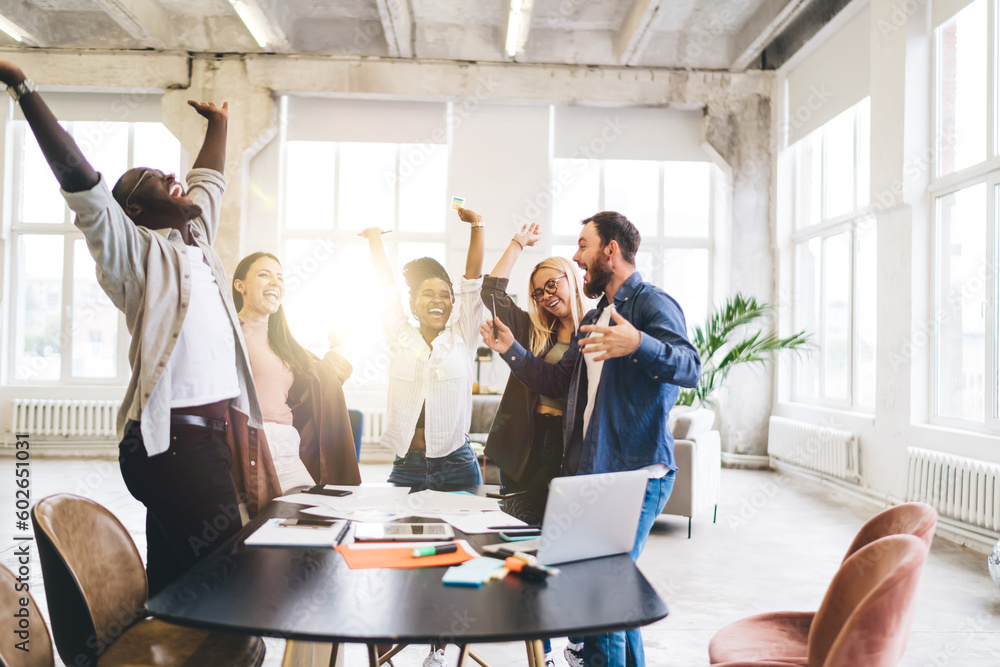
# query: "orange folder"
[[360, 556]]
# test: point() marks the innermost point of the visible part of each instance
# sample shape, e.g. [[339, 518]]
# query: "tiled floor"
[[776, 545]]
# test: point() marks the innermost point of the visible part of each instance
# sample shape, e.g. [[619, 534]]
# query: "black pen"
[[496, 334], [513, 527], [501, 496], [343, 532]]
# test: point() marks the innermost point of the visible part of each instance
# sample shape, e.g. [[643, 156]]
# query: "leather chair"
[[698, 455], [37, 642], [865, 617], [96, 589], [786, 633]]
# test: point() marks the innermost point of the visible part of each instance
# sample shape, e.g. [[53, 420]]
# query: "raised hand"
[[529, 235], [468, 215], [209, 111], [620, 340], [504, 339], [10, 74]]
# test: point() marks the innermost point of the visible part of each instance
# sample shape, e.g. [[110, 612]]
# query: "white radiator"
[[964, 489], [67, 418], [827, 450], [373, 426]]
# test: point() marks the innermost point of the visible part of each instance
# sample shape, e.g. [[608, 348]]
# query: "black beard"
[[598, 277]]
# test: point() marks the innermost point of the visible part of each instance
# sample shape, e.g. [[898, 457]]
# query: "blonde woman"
[[526, 440]]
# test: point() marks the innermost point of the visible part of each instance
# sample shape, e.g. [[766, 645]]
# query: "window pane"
[[687, 196], [568, 251], [807, 296], [407, 252], [423, 179], [837, 316], [105, 146], [645, 264], [575, 189], [366, 186], [95, 320], [309, 179], [154, 146], [632, 187], [808, 180], [318, 288], [686, 279], [864, 152], [962, 87], [38, 195], [838, 168], [963, 273], [38, 346], [867, 311]]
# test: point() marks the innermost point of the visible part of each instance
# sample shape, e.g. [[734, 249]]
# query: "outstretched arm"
[[528, 236], [477, 244], [213, 151], [379, 260], [72, 170]]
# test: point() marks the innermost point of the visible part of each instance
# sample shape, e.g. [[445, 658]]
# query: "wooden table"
[[311, 594]]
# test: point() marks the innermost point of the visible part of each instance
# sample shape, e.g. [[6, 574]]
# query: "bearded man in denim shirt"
[[620, 380]]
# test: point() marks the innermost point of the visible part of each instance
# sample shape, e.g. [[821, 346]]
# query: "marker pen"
[[419, 552], [539, 573]]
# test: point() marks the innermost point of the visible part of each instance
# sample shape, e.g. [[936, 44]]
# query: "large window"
[[63, 327], [333, 190], [835, 262], [965, 193], [672, 205]]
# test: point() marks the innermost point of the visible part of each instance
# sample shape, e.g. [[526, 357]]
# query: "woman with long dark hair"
[[301, 396]]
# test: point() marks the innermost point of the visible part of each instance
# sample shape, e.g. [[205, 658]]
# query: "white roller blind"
[[327, 119], [942, 10], [628, 134], [831, 79], [124, 107]]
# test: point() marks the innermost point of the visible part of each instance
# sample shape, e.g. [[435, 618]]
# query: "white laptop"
[[589, 516]]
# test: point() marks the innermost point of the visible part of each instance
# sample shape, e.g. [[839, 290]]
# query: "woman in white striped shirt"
[[431, 367]]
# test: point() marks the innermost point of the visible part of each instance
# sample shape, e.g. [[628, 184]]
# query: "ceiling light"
[[16, 32], [513, 27], [254, 20]]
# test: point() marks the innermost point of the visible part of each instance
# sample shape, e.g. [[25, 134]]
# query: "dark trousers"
[[544, 463], [191, 503]]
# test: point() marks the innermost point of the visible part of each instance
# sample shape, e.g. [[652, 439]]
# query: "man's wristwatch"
[[19, 90]]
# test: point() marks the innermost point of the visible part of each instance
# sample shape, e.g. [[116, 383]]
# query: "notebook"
[[298, 533]]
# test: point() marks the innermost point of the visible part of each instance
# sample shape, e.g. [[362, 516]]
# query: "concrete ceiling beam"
[[108, 71], [397, 26], [135, 17], [768, 21], [636, 31]]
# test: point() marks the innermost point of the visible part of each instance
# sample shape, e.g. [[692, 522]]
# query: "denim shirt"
[[628, 427]]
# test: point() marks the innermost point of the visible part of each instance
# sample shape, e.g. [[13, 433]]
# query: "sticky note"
[[457, 203], [471, 573]]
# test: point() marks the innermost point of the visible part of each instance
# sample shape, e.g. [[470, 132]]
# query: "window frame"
[[70, 234], [659, 243], [850, 223], [988, 172]]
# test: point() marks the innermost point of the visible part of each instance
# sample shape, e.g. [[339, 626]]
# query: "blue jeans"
[[459, 471], [621, 649]]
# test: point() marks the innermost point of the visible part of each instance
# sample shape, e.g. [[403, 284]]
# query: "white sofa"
[[698, 454]]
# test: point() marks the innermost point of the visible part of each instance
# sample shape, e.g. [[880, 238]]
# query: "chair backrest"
[[95, 582], [866, 613], [917, 519], [27, 643]]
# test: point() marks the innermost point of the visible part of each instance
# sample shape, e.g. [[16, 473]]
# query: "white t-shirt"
[[594, 369], [202, 365]]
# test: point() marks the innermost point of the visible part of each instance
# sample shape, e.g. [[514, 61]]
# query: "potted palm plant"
[[726, 342]]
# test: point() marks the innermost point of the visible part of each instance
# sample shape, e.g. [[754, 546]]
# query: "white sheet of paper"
[[364, 515], [439, 502], [480, 522]]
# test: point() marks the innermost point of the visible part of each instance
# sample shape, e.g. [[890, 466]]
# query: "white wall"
[[899, 79]]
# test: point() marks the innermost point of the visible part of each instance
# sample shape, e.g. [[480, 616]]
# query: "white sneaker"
[[549, 660], [573, 655], [437, 659]]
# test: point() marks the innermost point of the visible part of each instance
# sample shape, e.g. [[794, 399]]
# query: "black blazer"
[[509, 441]]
